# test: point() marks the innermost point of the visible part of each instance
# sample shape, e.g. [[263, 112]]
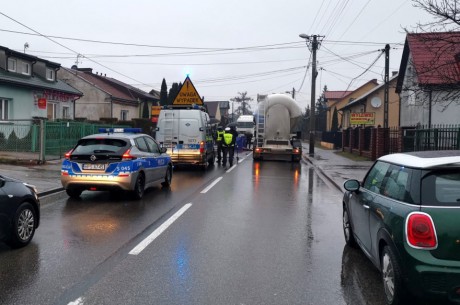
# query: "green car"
[[405, 216]]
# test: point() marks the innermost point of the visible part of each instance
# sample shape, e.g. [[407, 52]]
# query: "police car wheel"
[[168, 178], [73, 193], [205, 165], [139, 186]]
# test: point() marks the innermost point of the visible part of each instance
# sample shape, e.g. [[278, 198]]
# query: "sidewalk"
[[24, 166], [47, 177], [335, 167]]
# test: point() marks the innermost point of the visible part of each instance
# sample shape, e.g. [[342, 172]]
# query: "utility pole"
[[293, 93], [387, 81], [314, 44]]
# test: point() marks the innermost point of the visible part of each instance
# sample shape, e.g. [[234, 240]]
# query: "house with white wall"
[[30, 89], [429, 79], [105, 97]]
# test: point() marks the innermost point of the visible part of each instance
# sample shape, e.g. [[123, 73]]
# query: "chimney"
[[89, 70]]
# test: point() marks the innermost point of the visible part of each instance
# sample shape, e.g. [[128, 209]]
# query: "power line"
[[335, 16], [385, 19], [212, 80], [146, 45], [356, 18], [65, 47], [316, 16], [367, 69], [306, 72]]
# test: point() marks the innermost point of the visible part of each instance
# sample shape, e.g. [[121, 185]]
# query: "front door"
[[361, 203]]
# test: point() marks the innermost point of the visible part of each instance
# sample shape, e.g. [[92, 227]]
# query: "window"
[[94, 146], [51, 109], [50, 74], [375, 177], [11, 64], [124, 115], [65, 112], [441, 188], [4, 109], [24, 68], [152, 145], [140, 143], [396, 184]]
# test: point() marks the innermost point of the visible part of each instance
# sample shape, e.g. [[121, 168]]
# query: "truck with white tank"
[[278, 126]]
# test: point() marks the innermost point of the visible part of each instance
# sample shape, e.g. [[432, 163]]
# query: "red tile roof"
[[336, 95], [436, 57]]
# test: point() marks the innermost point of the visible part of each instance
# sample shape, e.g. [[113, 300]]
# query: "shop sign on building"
[[362, 118]]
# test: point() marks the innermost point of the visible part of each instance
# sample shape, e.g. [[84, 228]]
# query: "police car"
[[116, 159]]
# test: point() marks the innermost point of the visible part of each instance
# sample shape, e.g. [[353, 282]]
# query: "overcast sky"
[[226, 47]]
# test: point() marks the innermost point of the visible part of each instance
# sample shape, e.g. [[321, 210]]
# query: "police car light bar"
[[120, 130]]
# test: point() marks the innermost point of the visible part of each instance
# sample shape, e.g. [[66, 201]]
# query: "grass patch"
[[351, 156]]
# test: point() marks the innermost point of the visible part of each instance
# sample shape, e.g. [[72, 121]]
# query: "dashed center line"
[[143, 244], [211, 185]]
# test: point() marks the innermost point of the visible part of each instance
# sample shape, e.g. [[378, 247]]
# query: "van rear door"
[[189, 138]]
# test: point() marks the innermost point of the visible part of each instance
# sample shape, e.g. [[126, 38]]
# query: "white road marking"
[[231, 168], [78, 301], [143, 244], [247, 156], [211, 185]]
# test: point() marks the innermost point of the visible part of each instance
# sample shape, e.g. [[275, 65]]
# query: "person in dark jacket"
[[219, 137], [228, 145]]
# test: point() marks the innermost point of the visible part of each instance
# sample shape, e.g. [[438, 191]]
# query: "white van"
[[187, 135]]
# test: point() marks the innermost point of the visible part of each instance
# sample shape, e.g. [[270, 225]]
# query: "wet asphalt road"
[[265, 233]]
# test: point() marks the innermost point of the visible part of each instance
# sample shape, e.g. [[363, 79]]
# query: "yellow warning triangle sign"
[[188, 95]]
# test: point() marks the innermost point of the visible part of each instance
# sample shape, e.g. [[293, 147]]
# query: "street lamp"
[[314, 46]]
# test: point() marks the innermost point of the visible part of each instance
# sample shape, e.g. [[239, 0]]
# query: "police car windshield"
[[94, 146]]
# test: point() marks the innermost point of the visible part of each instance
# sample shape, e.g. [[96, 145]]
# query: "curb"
[[323, 173], [49, 192]]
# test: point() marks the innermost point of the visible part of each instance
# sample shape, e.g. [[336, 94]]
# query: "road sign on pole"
[[188, 95]]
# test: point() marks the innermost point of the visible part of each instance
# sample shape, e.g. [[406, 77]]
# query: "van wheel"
[[212, 159], [205, 164]]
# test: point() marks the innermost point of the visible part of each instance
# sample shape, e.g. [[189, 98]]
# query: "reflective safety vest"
[[228, 137], [220, 135]]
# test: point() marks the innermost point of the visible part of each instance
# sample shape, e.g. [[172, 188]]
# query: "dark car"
[[19, 212], [405, 216], [119, 159]]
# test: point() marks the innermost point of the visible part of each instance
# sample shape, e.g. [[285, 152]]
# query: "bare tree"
[[445, 12]]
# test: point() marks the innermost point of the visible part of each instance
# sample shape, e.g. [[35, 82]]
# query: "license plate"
[[91, 166]]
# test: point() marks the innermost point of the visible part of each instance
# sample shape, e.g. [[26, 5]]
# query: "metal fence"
[[438, 137], [49, 140], [401, 139]]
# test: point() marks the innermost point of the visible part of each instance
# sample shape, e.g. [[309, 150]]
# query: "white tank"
[[282, 116]]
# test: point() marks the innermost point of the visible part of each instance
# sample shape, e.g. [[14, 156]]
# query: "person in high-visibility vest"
[[228, 145], [219, 139]]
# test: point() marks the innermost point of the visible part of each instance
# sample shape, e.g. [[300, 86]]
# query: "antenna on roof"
[[77, 61]]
